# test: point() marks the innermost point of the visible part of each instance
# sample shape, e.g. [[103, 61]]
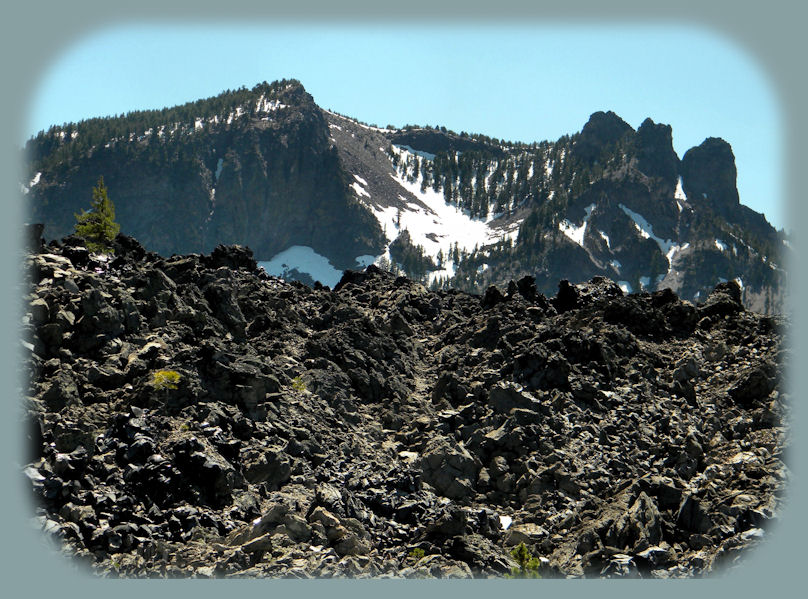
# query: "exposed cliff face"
[[267, 177], [268, 169], [630, 210], [435, 141], [656, 156], [709, 176]]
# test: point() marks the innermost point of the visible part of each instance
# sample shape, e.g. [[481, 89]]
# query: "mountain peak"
[[655, 154], [709, 175], [606, 120], [291, 90], [600, 131]]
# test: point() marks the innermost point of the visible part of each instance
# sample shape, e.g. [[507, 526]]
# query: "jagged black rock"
[[319, 433]]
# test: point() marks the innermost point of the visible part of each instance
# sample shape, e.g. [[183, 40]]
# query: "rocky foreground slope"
[[379, 429]]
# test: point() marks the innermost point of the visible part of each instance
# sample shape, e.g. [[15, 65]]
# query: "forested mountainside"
[[267, 168], [253, 167]]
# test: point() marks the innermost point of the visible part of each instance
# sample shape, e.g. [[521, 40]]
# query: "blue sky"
[[526, 83]]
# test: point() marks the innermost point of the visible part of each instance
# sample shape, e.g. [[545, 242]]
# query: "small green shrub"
[[298, 384], [165, 379], [417, 553], [528, 564]]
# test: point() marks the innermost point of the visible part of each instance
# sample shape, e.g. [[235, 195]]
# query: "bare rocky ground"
[[382, 430]]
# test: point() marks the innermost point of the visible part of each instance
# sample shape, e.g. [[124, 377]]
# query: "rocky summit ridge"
[[269, 169], [193, 416]]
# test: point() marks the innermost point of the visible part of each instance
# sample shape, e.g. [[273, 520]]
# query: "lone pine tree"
[[97, 225]]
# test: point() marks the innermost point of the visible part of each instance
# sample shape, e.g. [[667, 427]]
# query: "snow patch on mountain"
[[434, 224], [365, 260], [360, 191], [679, 194], [265, 105], [420, 153], [721, 245], [672, 252], [667, 246], [235, 115], [576, 233], [305, 260], [447, 272]]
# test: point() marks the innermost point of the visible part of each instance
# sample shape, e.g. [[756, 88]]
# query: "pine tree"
[[97, 226]]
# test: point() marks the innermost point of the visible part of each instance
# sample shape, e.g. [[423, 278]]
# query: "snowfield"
[[304, 259], [434, 224], [431, 222]]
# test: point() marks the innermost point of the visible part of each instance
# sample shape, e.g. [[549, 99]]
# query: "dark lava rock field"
[[194, 417]]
